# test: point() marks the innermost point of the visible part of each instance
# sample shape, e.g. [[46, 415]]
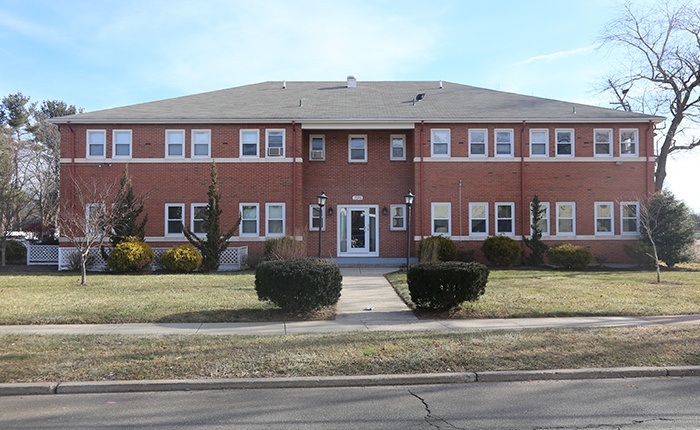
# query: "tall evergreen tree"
[[125, 212], [667, 226], [534, 243]]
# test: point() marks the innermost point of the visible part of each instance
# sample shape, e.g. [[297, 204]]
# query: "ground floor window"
[[398, 217], [441, 219], [274, 216], [478, 219], [566, 219], [505, 218], [174, 218], [250, 219], [629, 217], [543, 222], [197, 225], [604, 218], [317, 217]]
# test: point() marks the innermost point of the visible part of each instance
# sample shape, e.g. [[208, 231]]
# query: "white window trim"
[[357, 136], [612, 219], [391, 217], [573, 221], [512, 218], [636, 142], [311, 150], [573, 142], [192, 143], [610, 146], [267, 142], [471, 218], [114, 143], [257, 220], [546, 142], [486, 142], [512, 142], [545, 205], [449, 143], [391, 147], [311, 218], [192, 219], [87, 143], [268, 219], [182, 207], [448, 233], [622, 219], [257, 143], [167, 144]]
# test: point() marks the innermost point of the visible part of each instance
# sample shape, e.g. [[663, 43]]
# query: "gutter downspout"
[[524, 212], [422, 205], [647, 149], [294, 178], [72, 165]]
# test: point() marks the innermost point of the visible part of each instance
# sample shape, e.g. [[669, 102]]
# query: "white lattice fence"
[[42, 255]]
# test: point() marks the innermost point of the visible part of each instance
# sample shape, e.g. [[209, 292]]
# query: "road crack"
[[432, 420]]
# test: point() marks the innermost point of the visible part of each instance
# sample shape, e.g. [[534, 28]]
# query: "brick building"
[[473, 157]]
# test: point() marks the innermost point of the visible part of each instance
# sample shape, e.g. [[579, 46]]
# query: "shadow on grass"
[[246, 315]]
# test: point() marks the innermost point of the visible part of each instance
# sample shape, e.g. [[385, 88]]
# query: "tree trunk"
[[83, 269]]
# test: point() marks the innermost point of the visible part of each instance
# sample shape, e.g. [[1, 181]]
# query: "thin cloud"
[[560, 54]]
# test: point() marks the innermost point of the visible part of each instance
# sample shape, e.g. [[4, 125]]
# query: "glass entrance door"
[[357, 232]]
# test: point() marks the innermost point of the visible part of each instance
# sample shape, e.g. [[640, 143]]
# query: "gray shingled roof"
[[368, 101]]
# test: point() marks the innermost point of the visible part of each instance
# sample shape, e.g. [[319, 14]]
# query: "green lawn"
[[536, 293]]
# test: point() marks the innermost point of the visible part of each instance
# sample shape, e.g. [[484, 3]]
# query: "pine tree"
[[667, 225], [534, 243], [126, 210]]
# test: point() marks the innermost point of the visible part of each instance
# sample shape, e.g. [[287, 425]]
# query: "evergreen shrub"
[[437, 248], [502, 250], [130, 255], [443, 285], [568, 256], [181, 259]]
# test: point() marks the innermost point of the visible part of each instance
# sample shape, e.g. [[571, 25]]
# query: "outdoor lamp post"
[[321, 203], [409, 201]]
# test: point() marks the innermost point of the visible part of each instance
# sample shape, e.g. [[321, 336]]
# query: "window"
[[249, 143], [602, 140], [398, 217], [317, 147], [604, 218], [543, 222], [629, 142], [96, 140], [201, 143], [175, 143], [504, 143], [505, 218], [539, 143], [197, 224], [121, 143], [94, 217], [274, 217], [566, 219], [478, 219], [629, 217], [440, 143], [398, 147], [565, 143], [441, 216], [316, 218], [478, 143], [357, 149], [174, 219], [249, 219], [274, 142]]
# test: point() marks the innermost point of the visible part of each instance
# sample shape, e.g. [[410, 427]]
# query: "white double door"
[[358, 231]]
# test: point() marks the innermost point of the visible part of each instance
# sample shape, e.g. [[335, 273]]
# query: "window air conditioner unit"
[[274, 152], [317, 155]]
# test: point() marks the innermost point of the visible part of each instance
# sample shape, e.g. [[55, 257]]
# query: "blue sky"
[[102, 54]]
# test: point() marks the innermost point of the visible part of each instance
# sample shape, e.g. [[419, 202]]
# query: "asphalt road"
[[636, 404]]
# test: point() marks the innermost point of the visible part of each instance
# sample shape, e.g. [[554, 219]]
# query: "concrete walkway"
[[367, 303]]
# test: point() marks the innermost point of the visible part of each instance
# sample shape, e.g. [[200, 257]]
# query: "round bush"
[[130, 255], [15, 252], [443, 285], [181, 259], [569, 256], [502, 250], [437, 248], [299, 285]]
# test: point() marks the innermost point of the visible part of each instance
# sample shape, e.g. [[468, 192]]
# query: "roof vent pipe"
[[352, 82], [284, 85], [440, 83]]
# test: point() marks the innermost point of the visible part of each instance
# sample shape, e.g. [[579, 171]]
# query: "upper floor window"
[[441, 219], [317, 147], [121, 143], [629, 142], [201, 143], [604, 218], [439, 142], [398, 147], [566, 219], [357, 149], [197, 224], [629, 217], [478, 219], [250, 219], [250, 142], [565, 143], [96, 141], [539, 143], [174, 218], [504, 143], [274, 141], [505, 218], [398, 217], [175, 143], [478, 143], [602, 141]]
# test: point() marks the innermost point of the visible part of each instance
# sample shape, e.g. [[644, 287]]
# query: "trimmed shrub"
[[443, 285], [640, 253], [437, 248], [284, 248], [502, 250], [130, 255], [15, 252], [299, 285], [569, 256], [181, 259]]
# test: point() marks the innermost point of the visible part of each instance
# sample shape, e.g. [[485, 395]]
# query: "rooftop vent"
[[352, 82], [440, 83]]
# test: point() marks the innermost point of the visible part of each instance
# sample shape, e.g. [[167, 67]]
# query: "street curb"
[[26, 389]]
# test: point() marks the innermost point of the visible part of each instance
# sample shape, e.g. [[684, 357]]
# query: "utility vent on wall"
[[274, 152], [352, 82], [317, 155]]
